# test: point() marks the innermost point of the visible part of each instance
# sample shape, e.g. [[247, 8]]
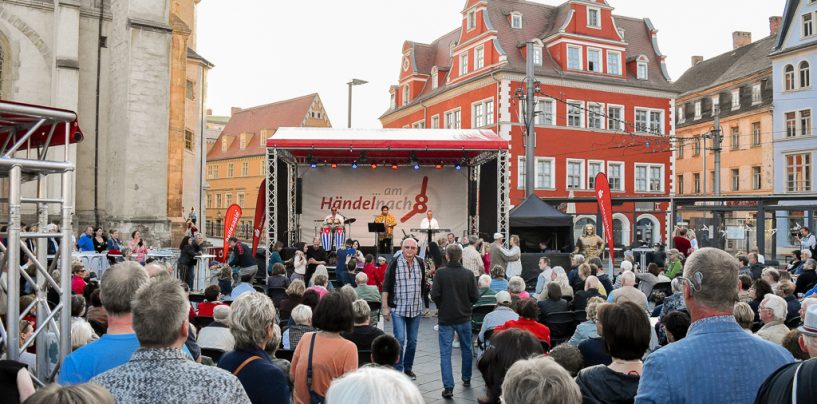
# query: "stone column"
[[175, 140]]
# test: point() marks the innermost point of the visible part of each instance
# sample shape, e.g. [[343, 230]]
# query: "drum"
[[326, 237], [340, 233]]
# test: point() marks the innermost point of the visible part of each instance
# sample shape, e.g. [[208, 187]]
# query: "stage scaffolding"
[[27, 132]]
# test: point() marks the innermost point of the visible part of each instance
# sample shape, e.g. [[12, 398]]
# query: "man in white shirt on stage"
[[334, 219], [429, 222]]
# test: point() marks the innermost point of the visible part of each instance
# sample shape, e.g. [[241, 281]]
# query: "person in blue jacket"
[[86, 240]]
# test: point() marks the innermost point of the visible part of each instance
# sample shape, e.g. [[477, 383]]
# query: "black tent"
[[534, 220]]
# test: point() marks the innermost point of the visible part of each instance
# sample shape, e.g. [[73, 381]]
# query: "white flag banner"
[[360, 193]]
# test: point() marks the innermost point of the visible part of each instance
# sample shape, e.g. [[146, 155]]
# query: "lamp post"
[[527, 102], [354, 82]]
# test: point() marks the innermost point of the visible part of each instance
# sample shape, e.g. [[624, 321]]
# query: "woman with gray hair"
[[302, 316], [559, 276], [373, 385], [675, 301], [516, 287], [251, 323], [539, 380]]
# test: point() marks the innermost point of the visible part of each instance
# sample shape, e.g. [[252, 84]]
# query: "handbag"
[[314, 398]]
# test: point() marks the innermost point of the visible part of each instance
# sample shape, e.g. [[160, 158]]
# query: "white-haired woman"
[[302, 316], [539, 380], [321, 270], [516, 287], [374, 385], [251, 323], [559, 276]]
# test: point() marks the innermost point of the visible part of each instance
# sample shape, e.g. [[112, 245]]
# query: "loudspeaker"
[[299, 186], [472, 198]]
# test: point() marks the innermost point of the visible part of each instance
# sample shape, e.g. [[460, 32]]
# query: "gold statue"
[[589, 244]]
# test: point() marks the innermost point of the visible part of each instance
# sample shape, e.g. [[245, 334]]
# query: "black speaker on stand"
[[472, 198]]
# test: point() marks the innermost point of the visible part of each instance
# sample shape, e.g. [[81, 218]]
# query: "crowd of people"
[[138, 335]]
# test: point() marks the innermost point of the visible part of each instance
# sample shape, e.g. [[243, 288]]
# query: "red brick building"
[[605, 101]]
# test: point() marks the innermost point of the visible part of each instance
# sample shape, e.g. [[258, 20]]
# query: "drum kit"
[[333, 235]]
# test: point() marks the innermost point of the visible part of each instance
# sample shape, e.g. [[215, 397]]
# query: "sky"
[[270, 50]]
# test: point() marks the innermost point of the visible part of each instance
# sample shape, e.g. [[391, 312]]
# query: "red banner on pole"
[[230, 224], [606, 209], [260, 215]]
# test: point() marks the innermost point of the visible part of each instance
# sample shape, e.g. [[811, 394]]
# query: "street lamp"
[[354, 82]]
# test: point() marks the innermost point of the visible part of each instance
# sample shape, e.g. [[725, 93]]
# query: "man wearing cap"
[[780, 386], [498, 257], [472, 259], [217, 335], [502, 313]]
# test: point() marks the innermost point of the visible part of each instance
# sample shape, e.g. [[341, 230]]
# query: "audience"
[[676, 324], [558, 275], [302, 318], [88, 393], [251, 322], [326, 353], [160, 319], [539, 380], [385, 351], [794, 383], [569, 357], [516, 287], [244, 286], [278, 276], [374, 385], [792, 344], [744, 316], [647, 280], [587, 329], [294, 295], [96, 314], [319, 282], [773, 313], [498, 281], [714, 339], [628, 292], [217, 335], [15, 380], [348, 291], [508, 347], [365, 291], [591, 290], [553, 303], [118, 287], [758, 292], [625, 331], [211, 301], [528, 313], [808, 278], [786, 290], [593, 349], [78, 273], [500, 315], [771, 276], [363, 334], [487, 296], [81, 331], [675, 301], [745, 285]]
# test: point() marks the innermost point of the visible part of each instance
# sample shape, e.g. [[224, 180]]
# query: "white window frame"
[[619, 124], [245, 169], [681, 114], [756, 94], [804, 27], [598, 18], [599, 68], [650, 123], [734, 180], [578, 49], [514, 16], [642, 62], [789, 78], [806, 186], [479, 57], [602, 167], [756, 128], [435, 121], [601, 115], [471, 20], [617, 57], [418, 125], [435, 80], [698, 113], [456, 112], [757, 177], [716, 104], [804, 74], [791, 123], [537, 55], [540, 115], [580, 104], [520, 176], [406, 94], [582, 175], [464, 63], [735, 99], [696, 183], [477, 117], [679, 184], [209, 200], [808, 129], [648, 179], [622, 182]]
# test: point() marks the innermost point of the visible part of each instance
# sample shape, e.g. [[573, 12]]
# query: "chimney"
[[696, 60], [774, 25], [209, 112], [740, 39], [234, 110]]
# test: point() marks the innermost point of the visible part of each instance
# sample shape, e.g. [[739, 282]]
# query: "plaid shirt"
[[471, 259], [408, 288]]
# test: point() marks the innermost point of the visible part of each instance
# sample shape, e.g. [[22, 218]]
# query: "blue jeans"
[[446, 337], [408, 343]]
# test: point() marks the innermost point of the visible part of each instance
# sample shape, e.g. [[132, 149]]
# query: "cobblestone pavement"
[[427, 367]]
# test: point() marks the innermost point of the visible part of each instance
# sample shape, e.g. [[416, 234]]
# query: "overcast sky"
[[270, 50]]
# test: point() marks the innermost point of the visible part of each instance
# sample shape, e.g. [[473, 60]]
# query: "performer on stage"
[[334, 239], [384, 243], [429, 222]]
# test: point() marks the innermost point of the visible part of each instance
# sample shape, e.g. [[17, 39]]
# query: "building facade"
[[736, 87], [794, 57], [604, 101], [236, 162], [139, 166]]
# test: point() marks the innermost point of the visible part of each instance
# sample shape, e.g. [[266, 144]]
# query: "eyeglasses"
[[409, 248]]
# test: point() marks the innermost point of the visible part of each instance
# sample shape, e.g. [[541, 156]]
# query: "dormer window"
[[471, 19], [516, 20], [434, 79], [642, 72], [451, 47], [393, 103], [593, 17], [224, 143], [464, 63], [594, 60], [537, 55], [405, 95], [243, 141]]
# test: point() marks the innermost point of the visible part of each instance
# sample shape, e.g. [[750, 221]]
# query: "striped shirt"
[[408, 292]]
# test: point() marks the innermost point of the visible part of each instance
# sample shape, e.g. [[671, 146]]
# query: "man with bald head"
[[628, 292], [402, 299], [156, 268], [709, 365]]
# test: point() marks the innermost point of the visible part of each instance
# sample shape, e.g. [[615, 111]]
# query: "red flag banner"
[[230, 224], [606, 209], [260, 215]]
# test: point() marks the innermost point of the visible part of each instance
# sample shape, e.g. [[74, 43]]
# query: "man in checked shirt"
[[402, 298]]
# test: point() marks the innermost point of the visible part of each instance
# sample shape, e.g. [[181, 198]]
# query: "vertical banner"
[[260, 215], [606, 209], [230, 224]]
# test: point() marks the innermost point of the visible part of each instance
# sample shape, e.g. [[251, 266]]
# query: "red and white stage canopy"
[[47, 126]]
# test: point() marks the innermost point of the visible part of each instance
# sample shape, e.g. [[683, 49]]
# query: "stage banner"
[[360, 193], [606, 209], [230, 224], [260, 215]]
